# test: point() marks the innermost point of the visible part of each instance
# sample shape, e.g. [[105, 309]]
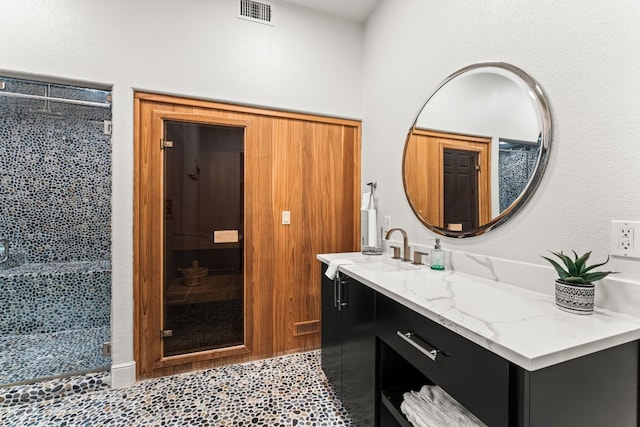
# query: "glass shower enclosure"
[[55, 229]]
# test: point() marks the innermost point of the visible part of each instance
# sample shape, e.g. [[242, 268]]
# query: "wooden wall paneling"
[[289, 240], [347, 184], [421, 178], [259, 233], [331, 212], [309, 164], [305, 304], [235, 111]]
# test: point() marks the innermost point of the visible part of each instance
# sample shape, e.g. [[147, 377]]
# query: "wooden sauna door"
[[306, 165], [203, 235]]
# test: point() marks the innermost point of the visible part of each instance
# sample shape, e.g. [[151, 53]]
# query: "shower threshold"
[[54, 389], [37, 357]]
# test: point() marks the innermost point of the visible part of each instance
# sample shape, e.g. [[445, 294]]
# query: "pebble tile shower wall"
[[55, 214]]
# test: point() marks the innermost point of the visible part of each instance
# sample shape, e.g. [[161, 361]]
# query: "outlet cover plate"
[[625, 239]]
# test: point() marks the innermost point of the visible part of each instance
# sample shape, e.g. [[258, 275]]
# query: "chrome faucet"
[[405, 241]]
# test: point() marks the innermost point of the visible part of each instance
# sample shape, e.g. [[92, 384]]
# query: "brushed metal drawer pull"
[[420, 344]]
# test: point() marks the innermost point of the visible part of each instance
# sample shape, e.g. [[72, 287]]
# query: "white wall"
[[585, 58], [307, 62], [483, 104]]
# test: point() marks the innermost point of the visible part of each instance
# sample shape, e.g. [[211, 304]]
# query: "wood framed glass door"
[[203, 281]]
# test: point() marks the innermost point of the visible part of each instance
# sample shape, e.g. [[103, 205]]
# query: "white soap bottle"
[[437, 257]]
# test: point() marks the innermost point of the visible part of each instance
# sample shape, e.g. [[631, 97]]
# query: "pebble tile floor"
[[284, 391]]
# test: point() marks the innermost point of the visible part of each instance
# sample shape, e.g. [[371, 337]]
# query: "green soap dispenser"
[[437, 257]]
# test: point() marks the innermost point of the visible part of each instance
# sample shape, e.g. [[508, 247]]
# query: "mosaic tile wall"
[[516, 167], [45, 298], [55, 211], [55, 175]]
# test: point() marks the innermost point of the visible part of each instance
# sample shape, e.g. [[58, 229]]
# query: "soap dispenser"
[[437, 257]]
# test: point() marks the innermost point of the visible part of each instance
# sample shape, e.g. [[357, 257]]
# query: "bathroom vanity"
[[506, 354]]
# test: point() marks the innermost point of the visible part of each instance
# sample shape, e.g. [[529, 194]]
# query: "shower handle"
[[5, 250]]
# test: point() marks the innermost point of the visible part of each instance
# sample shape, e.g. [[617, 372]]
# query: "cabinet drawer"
[[474, 376]]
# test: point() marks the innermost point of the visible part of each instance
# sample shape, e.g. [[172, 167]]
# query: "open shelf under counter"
[[391, 400]]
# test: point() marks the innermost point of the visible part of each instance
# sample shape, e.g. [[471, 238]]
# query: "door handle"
[[5, 250]]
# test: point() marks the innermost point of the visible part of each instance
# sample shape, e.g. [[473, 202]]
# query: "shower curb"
[[51, 390]]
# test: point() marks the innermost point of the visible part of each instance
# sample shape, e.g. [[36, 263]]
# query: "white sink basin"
[[386, 265]]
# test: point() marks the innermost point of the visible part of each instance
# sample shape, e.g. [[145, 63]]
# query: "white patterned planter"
[[575, 298]]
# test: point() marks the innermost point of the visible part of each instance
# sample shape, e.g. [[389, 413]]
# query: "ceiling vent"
[[256, 11]]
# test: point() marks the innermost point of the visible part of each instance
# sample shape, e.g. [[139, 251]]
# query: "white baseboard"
[[123, 375]]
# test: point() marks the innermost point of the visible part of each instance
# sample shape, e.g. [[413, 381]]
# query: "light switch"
[[286, 217]]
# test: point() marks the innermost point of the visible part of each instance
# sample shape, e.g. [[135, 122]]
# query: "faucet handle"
[[417, 257], [396, 252]]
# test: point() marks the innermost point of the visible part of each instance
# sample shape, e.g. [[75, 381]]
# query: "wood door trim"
[[148, 169], [459, 136], [199, 118], [158, 118], [244, 109]]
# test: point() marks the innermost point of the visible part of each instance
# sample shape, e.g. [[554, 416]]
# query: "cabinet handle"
[[420, 344], [342, 294], [335, 291]]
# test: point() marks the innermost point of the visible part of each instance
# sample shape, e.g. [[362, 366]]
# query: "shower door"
[[203, 237]]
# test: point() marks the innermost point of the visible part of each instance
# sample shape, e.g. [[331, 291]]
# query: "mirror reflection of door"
[[203, 237], [460, 179], [423, 177]]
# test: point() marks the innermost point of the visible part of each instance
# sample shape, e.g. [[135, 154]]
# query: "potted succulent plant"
[[575, 291]]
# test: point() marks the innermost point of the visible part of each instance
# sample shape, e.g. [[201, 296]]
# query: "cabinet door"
[[596, 390], [358, 352], [331, 335]]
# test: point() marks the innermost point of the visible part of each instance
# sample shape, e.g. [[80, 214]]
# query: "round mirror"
[[477, 149]]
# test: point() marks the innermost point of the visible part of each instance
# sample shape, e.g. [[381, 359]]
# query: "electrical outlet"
[[624, 238], [387, 223]]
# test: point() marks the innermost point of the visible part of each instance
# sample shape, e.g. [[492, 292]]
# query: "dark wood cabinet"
[[596, 390], [348, 345], [331, 334], [375, 349], [474, 376], [498, 392]]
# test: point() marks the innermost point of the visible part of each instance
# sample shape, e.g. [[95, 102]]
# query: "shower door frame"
[[149, 261]]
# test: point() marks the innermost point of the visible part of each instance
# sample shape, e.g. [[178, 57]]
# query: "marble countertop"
[[523, 326]]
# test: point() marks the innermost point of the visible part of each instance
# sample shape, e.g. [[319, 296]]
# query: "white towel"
[[417, 416], [433, 407], [333, 267], [372, 228]]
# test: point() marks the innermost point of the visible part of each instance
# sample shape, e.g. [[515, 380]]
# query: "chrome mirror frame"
[[541, 162]]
